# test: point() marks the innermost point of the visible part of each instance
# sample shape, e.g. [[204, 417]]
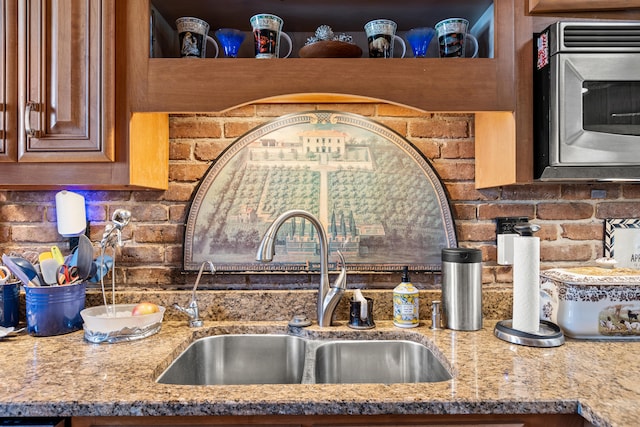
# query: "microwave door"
[[598, 109]]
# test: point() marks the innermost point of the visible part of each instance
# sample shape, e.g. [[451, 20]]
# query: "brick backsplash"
[[571, 220]]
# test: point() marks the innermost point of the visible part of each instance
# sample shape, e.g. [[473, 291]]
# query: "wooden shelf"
[[427, 84]]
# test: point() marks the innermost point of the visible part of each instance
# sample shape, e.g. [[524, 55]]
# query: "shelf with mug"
[[168, 40], [485, 85], [170, 83], [304, 16]]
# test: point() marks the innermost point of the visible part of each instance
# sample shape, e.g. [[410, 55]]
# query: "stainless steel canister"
[[462, 288]]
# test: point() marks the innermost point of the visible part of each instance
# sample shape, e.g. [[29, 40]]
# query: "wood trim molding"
[[426, 420], [541, 6]]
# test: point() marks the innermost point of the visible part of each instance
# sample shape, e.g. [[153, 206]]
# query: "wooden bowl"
[[330, 49]]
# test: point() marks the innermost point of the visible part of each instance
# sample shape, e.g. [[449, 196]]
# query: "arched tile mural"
[[379, 199]]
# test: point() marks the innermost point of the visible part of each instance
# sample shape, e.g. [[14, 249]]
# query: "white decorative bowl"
[[592, 302], [119, 325]]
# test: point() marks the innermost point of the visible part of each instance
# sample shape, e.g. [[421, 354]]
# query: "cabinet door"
[[8, 82], [66, 72]]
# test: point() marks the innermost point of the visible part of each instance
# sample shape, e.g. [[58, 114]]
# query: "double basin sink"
[[287, 359]]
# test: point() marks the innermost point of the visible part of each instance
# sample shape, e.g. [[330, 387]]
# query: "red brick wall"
[[571, 219]]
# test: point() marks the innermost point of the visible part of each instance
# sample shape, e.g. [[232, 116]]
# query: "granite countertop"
[[66, 376]]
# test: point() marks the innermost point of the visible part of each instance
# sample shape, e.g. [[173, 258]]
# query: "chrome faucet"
[[328, 296], [192, 310]]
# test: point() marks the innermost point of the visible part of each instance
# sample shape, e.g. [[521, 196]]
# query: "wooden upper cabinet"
[[58, 74], [8, 82], [3, 76], [540, 6], [67, 81]]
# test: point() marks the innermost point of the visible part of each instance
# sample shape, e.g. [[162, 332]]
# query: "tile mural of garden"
[[380, 202]]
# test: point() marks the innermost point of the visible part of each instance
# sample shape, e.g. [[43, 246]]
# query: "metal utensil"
[[121, 217]]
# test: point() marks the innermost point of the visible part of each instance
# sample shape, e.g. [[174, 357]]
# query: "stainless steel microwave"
[[587, 102]]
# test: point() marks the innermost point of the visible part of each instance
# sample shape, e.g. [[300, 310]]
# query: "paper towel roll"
[[70, 214], [526, 279]]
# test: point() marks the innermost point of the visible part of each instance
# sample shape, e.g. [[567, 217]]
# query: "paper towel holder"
[[71, 216], [549, 334]]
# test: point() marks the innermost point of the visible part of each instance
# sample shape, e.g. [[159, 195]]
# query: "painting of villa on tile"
[[378, 199]]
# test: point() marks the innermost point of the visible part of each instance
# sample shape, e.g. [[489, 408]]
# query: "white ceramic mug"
[[452, 35], [267, 31], [381, 37], [193, 35]]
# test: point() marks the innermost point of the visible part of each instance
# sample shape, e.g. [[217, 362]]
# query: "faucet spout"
[[328, 295], [192, 310]]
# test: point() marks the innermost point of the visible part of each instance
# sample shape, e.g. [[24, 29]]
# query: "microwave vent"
[[612, 36]]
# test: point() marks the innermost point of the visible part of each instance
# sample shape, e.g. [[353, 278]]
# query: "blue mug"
[[9, 304]]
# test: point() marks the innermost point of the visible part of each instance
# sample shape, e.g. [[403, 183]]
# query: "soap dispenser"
[[405, 303]]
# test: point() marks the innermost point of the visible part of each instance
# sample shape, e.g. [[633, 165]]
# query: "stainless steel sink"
[[285, 359], [239, 359], [377, 362]]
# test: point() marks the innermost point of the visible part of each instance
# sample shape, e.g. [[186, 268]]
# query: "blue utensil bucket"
[[9, 304], [54, 310]]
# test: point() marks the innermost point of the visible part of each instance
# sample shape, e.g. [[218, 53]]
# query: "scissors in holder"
[[68, 275]]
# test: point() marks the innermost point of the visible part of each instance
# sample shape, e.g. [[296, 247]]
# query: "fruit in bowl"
[[145, 308]]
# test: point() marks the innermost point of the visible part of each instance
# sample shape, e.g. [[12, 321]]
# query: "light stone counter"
[[66, 376]]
